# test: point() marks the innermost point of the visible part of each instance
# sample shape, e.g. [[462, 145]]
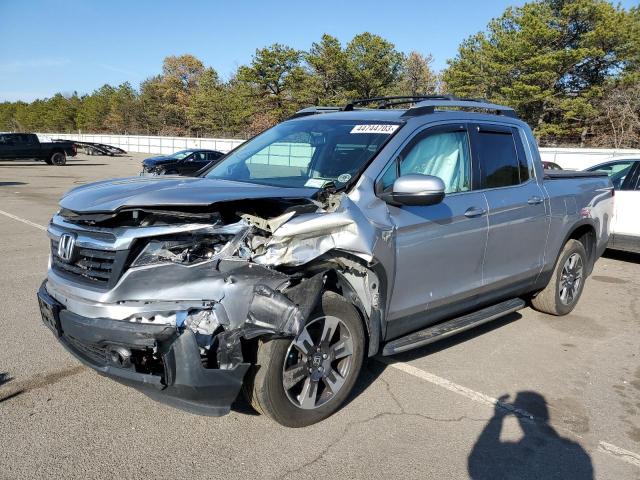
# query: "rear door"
[[518, 220], [439, 248], [30, 145]]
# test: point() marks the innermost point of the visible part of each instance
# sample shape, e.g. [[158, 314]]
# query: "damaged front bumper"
[[124, 351]]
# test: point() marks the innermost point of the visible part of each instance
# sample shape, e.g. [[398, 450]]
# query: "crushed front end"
[[163, 300], [171, 300]]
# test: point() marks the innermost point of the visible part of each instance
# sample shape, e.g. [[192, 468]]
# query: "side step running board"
[[452, 327]]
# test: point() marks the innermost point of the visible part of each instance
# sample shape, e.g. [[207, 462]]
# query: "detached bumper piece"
[[122, 351]]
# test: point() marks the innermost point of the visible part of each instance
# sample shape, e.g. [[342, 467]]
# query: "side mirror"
[[416, 189]]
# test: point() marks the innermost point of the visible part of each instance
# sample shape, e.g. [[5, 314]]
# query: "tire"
[[57, 158], [264, 385], [563, 291]]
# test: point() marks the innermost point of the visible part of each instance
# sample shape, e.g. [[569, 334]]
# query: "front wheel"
[[562, 293], [301, 381]]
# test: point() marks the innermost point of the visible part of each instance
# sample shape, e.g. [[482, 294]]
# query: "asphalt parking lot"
[[568, 389]]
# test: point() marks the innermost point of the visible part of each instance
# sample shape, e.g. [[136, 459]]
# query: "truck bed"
[[560, 174]]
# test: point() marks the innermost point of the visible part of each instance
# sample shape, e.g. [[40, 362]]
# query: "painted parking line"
[[608, 448], [23, 220], [478, 397]]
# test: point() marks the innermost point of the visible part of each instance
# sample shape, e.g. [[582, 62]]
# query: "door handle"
[[474, 212], [534, 201]]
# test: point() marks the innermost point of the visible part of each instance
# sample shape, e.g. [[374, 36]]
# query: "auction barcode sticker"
[[375, 128]]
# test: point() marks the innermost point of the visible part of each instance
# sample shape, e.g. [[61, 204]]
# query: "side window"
[[443, 154], [617, 171], [212, 156], [498, 158], [632, 182]]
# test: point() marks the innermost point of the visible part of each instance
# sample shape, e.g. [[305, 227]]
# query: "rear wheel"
[[305, 380], [57, 158], [562, 293]]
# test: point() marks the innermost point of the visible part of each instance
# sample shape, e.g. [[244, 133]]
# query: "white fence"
[[581, 158], [150, 144], [573, 158]]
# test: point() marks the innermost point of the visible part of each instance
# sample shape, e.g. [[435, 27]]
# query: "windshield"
[[306, 153], [181, 154]]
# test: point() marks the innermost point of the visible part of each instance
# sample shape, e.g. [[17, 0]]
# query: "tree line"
[[570, 68]]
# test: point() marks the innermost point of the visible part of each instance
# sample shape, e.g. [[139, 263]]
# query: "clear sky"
[[61, 46]]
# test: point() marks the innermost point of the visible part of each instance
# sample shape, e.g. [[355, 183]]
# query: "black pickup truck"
[[27, 145]]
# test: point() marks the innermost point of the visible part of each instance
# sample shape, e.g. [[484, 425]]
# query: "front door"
[[440, 248]]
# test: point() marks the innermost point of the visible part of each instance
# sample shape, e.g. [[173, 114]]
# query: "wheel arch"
[[361, 283], [585, 233]]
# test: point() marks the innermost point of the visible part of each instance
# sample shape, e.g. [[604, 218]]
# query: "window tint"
[[617, 171], [212, 156], [441, 154], [499, 165], [27, 139]]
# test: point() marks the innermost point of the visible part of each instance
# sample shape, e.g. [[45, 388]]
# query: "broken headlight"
[[189, 251]]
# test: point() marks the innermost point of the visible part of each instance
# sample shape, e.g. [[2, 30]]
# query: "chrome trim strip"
[[123, 237]]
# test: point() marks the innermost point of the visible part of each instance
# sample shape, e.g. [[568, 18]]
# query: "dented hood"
[[111, 195]]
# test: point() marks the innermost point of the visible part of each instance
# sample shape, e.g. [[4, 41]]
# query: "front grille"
[[96, 267], [96, 353]]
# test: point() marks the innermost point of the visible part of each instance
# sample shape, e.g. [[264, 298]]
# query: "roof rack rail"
[[421, 105], [429, 106], [314, 111], [386, 102]]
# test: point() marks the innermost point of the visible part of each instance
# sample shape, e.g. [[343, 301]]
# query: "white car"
[[625, 176]]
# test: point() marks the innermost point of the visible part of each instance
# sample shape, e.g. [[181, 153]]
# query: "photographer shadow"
[[540, 453]]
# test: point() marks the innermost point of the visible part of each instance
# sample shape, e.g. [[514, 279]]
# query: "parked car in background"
[[333, 236], [185, 162], [551, 166], [624, 173], [23, 146]]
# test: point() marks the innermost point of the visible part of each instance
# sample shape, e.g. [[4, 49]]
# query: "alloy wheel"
[[318, 362], [571, 278]]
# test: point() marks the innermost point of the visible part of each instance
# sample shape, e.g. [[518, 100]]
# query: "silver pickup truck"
[[339, 234]]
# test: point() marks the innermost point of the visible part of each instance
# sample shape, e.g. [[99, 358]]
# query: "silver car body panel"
[[407, 266]]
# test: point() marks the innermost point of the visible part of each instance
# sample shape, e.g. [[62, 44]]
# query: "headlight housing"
[[191, 249]]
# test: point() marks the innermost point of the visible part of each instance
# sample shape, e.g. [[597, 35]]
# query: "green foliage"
[[373, 65], [328, 73], [571, 69], [277, 77], [549, 60]]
